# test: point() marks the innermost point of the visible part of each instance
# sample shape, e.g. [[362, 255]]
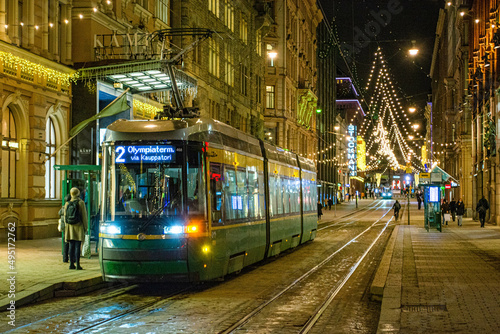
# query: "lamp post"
[[408, 206]]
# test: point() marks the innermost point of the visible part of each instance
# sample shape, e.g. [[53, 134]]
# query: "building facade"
[[35, 97], [49, 82], [451, 128], [483, 69], [326, 116], [290, 77]]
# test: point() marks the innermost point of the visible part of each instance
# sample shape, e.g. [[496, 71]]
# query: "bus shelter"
[[87, 179], [433, 185]]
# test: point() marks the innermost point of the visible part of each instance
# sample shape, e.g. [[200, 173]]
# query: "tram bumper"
[[145, 261]]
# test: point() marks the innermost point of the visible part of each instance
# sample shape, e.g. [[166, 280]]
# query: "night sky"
[[407, 20]]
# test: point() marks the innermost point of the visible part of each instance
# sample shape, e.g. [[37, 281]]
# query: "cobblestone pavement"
[[443, 282], [212, 306]]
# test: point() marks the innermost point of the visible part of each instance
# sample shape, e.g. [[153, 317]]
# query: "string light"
[[31, 68], [386, 112]]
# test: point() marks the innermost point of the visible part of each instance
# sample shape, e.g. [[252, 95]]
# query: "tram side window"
[[231, 202], [272, 195], [286, 194], [261, 204], [294, 195], [253, 194], [279, 194], [216, 192], [242, 196], [314, 193], [306, 195], [195, 184]]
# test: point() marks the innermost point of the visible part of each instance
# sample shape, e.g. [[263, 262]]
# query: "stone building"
[[483, 79], [290, 78], [327, 120], [35, 97], [45, 74], [451, 125]]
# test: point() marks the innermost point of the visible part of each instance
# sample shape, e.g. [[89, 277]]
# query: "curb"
[[44, 291], [390, 310], [378, 284]]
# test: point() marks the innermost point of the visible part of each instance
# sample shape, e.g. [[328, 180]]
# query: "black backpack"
[[72, 214]]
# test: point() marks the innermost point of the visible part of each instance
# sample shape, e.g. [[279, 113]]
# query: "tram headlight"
[[178, 229], [175, 229], [110, 229]]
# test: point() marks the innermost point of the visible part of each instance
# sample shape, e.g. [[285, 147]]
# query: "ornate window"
[[162, 10], [213, 6], [10, 147], [213, 58], [270, 97], [229, 15], [50, 174]]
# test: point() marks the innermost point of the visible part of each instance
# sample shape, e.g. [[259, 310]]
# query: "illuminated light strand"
[[30, 68]]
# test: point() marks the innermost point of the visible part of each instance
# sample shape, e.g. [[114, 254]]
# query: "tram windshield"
[[146, 181]]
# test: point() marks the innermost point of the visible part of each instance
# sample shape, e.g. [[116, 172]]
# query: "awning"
[[141, 77], [445, 177]]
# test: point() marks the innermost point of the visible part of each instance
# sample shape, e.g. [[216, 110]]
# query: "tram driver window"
[[195, 183]]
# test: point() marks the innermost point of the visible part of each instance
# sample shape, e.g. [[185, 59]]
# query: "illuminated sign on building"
[[361, 153], [351, 150], [143, 153]]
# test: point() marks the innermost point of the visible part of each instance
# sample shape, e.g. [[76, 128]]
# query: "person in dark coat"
[[445, 208], [396, 208], [75, 233], [320, 209], [460, 210], [419, 200], [61, 228], [453, 207], [481, 208]]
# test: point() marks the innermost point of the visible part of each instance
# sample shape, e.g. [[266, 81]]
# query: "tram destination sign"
[[144, 153]]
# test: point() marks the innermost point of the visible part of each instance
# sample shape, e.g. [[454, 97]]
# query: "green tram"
[[195, 199]]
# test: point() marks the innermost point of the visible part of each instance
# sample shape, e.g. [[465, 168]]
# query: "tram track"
[[153, 303], [101, 303], [331, 295], [344, 220], [138, 310]]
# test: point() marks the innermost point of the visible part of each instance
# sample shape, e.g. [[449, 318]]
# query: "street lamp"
[[413, 51], [412, 109]]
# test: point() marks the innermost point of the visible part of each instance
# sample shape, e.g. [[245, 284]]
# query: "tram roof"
[[203, 130], [196, 129]]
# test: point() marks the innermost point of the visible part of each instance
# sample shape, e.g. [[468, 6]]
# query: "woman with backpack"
[[62, 226], [75, 217]]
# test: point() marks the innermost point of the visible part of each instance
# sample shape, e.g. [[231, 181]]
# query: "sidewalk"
[[40, 273], [432, 282]]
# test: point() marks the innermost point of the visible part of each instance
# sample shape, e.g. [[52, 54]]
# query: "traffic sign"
[[425, 175]]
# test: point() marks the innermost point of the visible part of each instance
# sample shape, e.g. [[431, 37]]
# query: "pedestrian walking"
[[453, 207], [320, 209], [75, 216], [330, 203], [445, 211], [61, 227], [481, 208], [419, 200], [396, 208], [460, 210]]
